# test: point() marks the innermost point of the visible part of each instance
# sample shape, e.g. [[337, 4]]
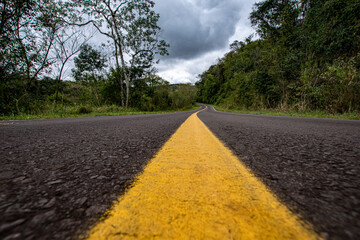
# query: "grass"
[[291, 113], [53, 111]]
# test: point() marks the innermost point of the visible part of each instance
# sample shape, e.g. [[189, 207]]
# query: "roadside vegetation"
[[78, 99], [88, 111], [292, 113], [305, 62], [44, 42]]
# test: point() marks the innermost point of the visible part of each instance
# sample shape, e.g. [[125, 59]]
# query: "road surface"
[[313, 165], [58, 176]]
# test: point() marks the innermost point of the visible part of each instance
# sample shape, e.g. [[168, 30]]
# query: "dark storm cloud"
[[195, 27]]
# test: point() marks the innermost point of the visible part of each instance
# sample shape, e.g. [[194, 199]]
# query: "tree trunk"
[[58, 83], [96, 91], [119, 80], [127, 79]]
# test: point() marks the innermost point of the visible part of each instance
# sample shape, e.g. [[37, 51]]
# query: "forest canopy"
[[307, 57]]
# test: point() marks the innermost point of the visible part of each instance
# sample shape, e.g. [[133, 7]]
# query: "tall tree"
[[88, 68], [67, 44], [28, 30], [28, 36], [132, 26]]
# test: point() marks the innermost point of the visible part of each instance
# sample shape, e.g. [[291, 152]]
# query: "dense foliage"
[[39, 38], [307, 58]]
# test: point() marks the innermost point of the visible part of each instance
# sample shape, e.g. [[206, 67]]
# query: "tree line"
[[307, 57], [40, 38]]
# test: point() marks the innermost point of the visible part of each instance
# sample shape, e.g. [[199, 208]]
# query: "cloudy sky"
[[199, 32]]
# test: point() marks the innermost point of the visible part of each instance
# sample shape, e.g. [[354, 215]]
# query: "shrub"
[[60, 99], [84, 109]]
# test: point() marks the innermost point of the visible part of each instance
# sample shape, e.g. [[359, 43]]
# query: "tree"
[[132, 26], [306, 58], [276, 18], [28, 30], [28, 37], [88, 67], [67, 43]]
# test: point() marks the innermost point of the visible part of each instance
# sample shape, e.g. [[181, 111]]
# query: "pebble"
[[6, 175], [28, 180], [324, 235], [13, 208], [7, 226], [55, 182], [43, 217], [93, 210], [101, 178], [51, 203], [80, 201], [19, 179], [125, 177], [13, 236], [42, 201]]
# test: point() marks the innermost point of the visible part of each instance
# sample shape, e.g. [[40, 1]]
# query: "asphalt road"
[[313, 165], [58, 176]]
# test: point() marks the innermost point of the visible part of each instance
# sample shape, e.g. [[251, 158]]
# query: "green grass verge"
[[275, 112], [88, 111]]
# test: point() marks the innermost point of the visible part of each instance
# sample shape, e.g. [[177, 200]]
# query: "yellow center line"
[[195, 188]]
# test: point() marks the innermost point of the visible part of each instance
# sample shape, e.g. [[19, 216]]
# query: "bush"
[[336, 88], [84, 109], [113, 108], [341, 85], [60, 99], [146, 103]]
